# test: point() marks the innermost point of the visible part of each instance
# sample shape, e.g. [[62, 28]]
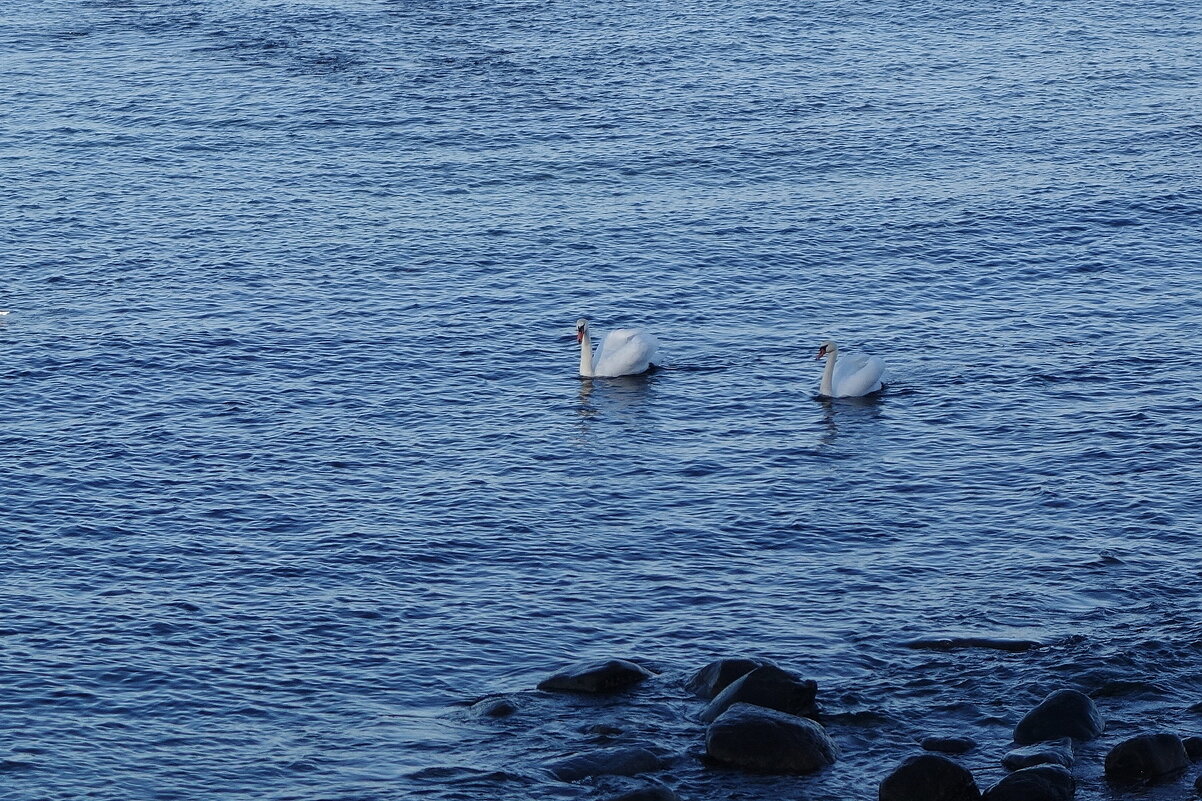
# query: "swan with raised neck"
[[829, 350], [586, 348], [623, 351]]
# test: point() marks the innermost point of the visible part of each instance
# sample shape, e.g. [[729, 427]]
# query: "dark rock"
[[606, 762], [1064, 713], [717, 676], [622, 789], [1193, 748], [1148, 758], [769, 741], [929, 777], [1198, 785], [612, 676], [949, 745], [1040, 783], [494, 708], [961, 643], [1054, 752], [766, 686]]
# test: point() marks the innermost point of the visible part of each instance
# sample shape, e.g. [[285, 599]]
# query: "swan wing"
[[625, 351], [861, 376], [847, 366]]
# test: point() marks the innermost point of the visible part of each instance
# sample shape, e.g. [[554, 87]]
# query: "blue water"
[[295, 463]]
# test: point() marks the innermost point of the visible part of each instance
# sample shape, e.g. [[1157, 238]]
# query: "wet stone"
[[612, 676], [1064, 713], [929, 777], [1193, 748], [1147, 759], [768, 741], [606, 762], [1054, 752], [717, 676], [948, 745], [766, 686], [1039, 783]]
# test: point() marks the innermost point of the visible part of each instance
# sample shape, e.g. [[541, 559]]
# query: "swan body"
[[849, 377], [623, 351]]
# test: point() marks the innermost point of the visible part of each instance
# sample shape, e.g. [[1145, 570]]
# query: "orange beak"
[[579, 337]]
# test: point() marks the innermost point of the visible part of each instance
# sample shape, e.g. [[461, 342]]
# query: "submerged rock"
[[929, 777], [1054, 752], [1064, 713], [494, 708], [1148, 758], [622, 789], [610, 676], [717, 676], [606, 762], [1039, 783], [961, 643], [948, 745], [766, 686], [768, 741]]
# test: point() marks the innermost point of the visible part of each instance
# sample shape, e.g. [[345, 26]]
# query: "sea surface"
[[295, 464]]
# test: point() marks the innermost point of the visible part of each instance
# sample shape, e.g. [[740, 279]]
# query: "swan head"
[[581, 329], [827, 348]]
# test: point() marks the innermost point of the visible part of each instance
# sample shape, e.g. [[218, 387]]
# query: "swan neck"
[[586, 355], [828, 375]]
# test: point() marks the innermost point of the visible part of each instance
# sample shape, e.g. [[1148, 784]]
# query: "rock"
[[1053, 752], [766, 686], [606, 762], [769, 741], [961, 643], [1040, 783], [1148, 758], [611, 676], [1198, 785], [1193, 748], [1064, 713], [717, 676], [949, 745], [494, 708], [621, 789], [929, 777]]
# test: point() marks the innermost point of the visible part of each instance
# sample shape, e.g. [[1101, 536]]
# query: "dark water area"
[[295, 463]]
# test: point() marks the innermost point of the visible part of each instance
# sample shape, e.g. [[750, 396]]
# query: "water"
[[295, 462]]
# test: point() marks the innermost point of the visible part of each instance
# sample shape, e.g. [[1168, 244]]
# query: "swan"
[[623, 351], [851, 376]]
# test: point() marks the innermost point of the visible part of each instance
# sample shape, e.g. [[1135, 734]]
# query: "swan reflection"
[[867, 407], [622, 394]]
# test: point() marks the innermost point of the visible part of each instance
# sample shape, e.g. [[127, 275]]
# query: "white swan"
[[623, 351], [851, 376]]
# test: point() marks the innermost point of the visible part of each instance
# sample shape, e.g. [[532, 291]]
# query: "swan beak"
[[579, 337], [821, 353]]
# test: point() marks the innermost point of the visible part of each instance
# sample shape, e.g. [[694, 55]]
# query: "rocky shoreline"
[[760, 718]]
